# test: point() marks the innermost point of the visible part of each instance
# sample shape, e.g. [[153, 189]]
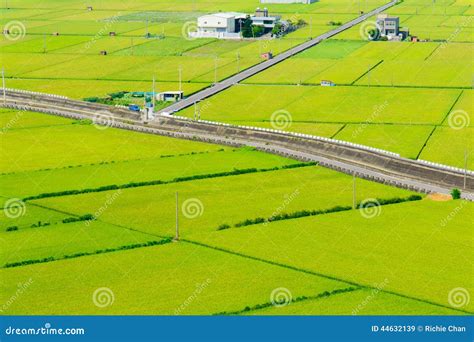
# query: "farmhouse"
[[228, 25], [261, 18], [170, 96], [389, 27], [219, 25]]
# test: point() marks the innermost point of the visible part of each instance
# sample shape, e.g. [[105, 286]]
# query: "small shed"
[[89, 8], [327, 83], [103, 53], [112, 34], [170, 96], [266, 55], [55, 33]]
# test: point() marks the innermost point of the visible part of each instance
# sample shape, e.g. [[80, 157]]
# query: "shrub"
[[456, 193], [223, 226], [12, 228]]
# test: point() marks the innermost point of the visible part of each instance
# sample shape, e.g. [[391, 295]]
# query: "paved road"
[[220, 86]]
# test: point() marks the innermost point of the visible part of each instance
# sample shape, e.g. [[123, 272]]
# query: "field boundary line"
[[426, 142], [131, 185], [440, 124], [322, 275], [76, 255], [365, 73], [303, 298]]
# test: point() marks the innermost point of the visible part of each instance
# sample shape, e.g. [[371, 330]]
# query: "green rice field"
[[85, 208]]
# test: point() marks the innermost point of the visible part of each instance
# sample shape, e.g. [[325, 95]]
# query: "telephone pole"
[[180, 72], [153, 100], [354, 204], [215, 71], [176, 237], [465, 169], [3, 85]]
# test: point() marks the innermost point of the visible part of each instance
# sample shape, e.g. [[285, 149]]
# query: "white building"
[[219, 25], [261, 18]]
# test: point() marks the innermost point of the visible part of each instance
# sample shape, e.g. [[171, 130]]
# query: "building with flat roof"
[[263, 19], [225, 25], [388, 26]]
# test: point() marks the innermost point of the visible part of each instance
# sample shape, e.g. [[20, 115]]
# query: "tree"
[[456, 193], [247, 28], [277, 29], [257, 31]]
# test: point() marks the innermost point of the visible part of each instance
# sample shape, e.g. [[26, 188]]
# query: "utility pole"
[[153, 100], [3, 85], [465, 169], [180, 78], [368, 77], [310, 27], [176, 237], [44, 43], [354, 203], [131, 45], [215, 71], [238, 61], [195, 110]]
